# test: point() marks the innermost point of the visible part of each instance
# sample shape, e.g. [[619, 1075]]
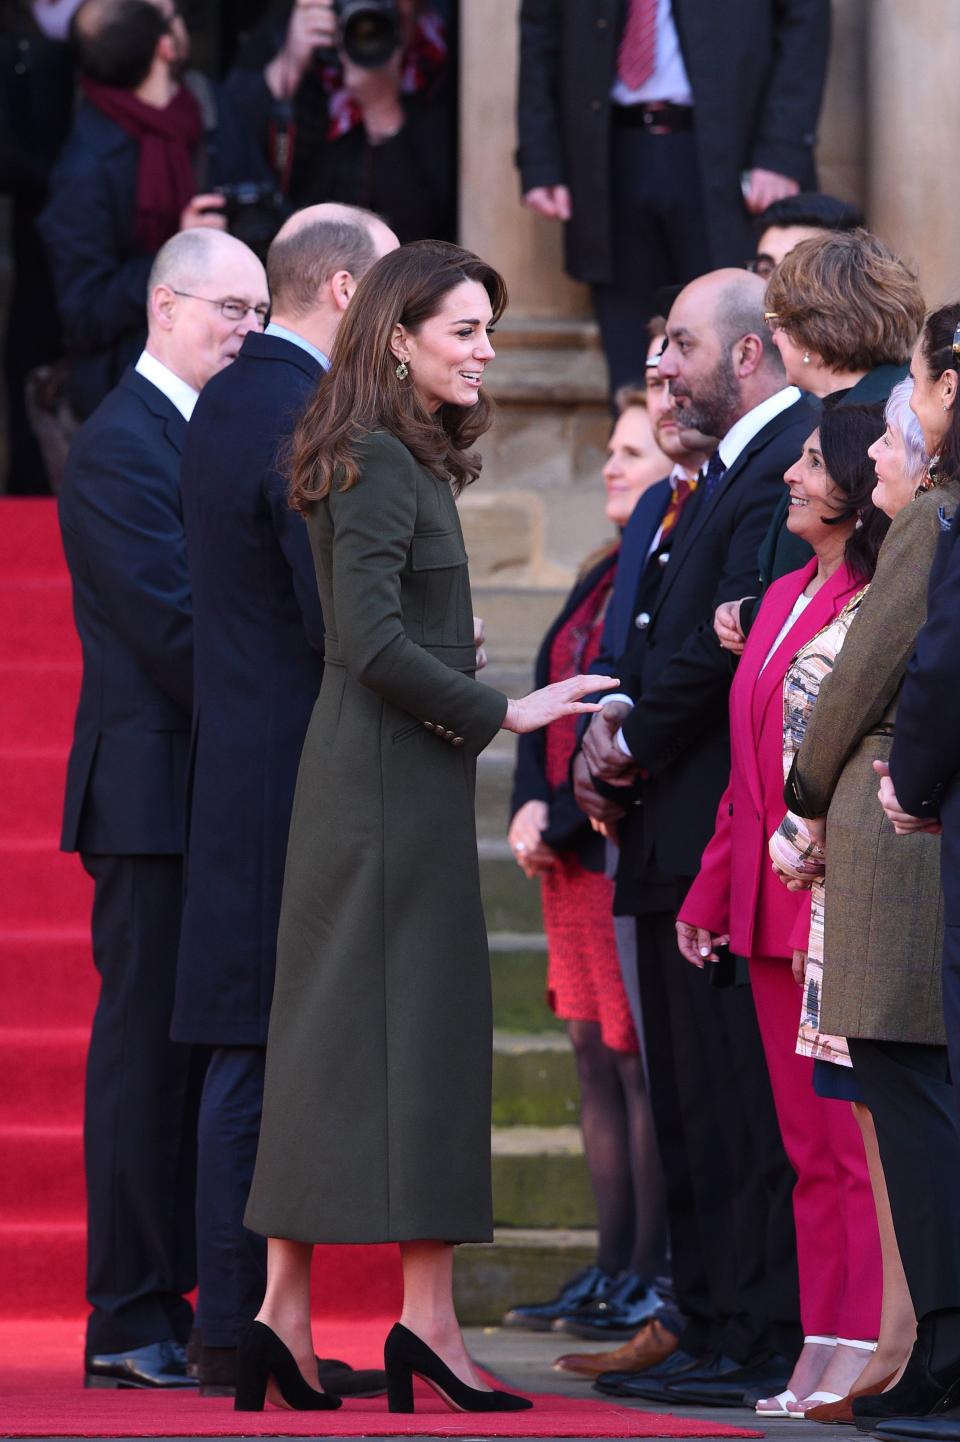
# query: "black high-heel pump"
[[405, 1356], [262, 1355]]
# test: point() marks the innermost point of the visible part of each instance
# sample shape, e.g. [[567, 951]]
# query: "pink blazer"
[[736, 891]]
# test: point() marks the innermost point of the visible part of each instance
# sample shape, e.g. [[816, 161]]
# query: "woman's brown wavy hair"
[[362, 393]]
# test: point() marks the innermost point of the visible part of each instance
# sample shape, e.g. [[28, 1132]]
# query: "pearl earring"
[[806, 357], [403, 370]]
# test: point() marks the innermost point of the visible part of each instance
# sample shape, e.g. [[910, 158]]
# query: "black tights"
[[621, 1151]]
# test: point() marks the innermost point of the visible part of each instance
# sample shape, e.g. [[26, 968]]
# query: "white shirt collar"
[[183, 396], [742, 432], [295, 339], [680, 473]]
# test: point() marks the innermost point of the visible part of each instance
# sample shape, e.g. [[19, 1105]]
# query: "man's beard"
[[713, 409]]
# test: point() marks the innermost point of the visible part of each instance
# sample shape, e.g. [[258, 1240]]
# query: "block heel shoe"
[[262, 1355], [405, 1356]]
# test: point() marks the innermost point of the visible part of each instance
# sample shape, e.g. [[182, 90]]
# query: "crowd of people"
[[735, 780], [787, 975]]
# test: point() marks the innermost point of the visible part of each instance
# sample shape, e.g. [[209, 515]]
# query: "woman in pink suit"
[[737, 897]]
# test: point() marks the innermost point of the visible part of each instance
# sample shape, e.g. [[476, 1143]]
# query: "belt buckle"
[[653, 122]]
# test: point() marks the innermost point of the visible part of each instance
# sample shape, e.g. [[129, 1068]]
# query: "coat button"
[[596, 104], [642, 621], [458, 740], [663, 558], [429, 725], [601, 23]]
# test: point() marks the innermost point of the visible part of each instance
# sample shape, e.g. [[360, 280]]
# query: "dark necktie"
[[638, 46], [713, 475]]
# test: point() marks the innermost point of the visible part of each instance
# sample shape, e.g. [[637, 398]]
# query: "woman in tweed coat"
[[883, 918]]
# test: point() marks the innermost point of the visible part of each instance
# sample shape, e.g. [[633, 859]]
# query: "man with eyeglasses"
[[125, 805], [150, 142]]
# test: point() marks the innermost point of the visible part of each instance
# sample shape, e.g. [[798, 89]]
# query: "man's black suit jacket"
[[258, 640], [925, 757], [756, 68], [675, 670], [122, 529]]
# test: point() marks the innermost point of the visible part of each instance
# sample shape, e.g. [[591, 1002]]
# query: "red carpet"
[[48, 985]]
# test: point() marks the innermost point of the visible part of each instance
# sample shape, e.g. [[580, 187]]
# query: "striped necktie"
[[682, 491], [638, 44]]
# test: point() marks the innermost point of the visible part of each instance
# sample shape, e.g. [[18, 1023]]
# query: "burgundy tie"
[[638, 45]]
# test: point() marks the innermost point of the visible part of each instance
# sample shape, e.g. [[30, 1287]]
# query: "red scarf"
[[167, 139]]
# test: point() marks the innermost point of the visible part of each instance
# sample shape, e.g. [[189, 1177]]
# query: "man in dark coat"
[[669, 739], [125, 808], [654, 128], [141, 146], [258, 642]]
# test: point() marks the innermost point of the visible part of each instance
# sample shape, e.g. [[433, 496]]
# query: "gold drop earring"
[[403, 370]]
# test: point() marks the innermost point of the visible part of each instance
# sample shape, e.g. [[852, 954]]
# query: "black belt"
[[659, 117]]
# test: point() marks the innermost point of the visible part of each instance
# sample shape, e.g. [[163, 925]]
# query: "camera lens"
[[369, 32]]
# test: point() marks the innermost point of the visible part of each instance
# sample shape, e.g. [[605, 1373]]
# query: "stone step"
[[534, 1080], [517, 618], [518, 968], [521, 1264], [510, 901], [494, 788], [540, 1178]]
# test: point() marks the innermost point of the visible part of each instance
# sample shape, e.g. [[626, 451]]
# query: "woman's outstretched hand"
[[538, 709]]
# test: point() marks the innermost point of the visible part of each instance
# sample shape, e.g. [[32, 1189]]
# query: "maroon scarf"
[[167, 138]]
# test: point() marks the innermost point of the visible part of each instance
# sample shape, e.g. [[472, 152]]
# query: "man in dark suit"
[[654, 128], [258, 644], [665, 745], [125, 804], [144, 141]]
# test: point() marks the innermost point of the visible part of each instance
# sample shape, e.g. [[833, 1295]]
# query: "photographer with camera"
[[354, 101], [148, 147]]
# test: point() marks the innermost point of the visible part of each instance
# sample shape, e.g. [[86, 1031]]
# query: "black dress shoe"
[[161, 1364], [217, 1374], [729, 1389], [582, 1288], [618, 1312], [920, 1392], [945, 1427], [623, 1384], [661, 1389]]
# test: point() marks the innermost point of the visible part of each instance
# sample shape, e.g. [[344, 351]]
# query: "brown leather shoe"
[[652, 1344], [841, 1411]]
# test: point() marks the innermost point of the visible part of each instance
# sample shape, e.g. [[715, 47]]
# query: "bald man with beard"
[[258, 637], [125, 808]]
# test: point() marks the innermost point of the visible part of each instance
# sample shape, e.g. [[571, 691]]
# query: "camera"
[[255, 211], [369, 31]]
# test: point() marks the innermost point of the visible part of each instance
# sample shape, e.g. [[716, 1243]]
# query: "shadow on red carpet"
[[42, 1396]]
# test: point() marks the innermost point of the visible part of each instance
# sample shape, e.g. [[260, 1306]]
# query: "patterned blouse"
[[791, 846]]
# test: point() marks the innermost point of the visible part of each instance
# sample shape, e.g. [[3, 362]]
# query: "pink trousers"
[[838, 1244]]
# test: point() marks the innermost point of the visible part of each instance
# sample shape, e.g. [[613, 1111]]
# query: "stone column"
[[913, 85]]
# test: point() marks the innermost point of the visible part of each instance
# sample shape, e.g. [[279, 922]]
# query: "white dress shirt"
[[183, 396], [669, 80]]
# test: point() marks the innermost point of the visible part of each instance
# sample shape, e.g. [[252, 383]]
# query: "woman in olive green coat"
[[376, 1118]]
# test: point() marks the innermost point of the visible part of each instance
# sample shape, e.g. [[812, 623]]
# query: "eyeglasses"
[[232, 310], [772, 319], [955, 347]]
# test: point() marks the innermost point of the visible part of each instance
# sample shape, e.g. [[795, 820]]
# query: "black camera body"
[[369, 31], [255, 211]]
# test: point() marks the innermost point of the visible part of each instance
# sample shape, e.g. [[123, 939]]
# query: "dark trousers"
[[142, 1096], [729, 1184], [658, 236], [231, 1261], [907, 1088]]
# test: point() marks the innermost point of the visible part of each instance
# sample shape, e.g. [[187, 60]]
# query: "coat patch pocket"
[[437, 550]]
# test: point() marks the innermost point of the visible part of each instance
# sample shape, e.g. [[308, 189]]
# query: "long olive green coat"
[[376, 1119], [883, 932]]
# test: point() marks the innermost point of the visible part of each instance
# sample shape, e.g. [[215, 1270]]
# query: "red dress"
[[583, 970]]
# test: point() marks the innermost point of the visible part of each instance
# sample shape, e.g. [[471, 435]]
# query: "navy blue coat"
[[925, 757], [99, 270], [122, 530], [258, 636]]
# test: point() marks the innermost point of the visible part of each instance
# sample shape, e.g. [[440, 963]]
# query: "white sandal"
[[780, 1409], [816, 1399]]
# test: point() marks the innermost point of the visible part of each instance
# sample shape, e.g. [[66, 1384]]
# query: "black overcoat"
[[258, 644], [674, 668], [122, 527], [756, 68]]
